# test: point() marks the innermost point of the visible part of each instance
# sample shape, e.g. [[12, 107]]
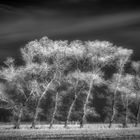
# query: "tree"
[[76, 54], [136, 68], [24, 80], [90, 58], [48, 63], [49, 54], [37, 75], [13, 76], [75, 79], [126, 89], [122, 57], [99, 54]]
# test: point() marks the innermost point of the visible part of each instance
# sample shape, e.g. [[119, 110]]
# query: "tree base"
[[66, 126], [51, 126], [16, 127]]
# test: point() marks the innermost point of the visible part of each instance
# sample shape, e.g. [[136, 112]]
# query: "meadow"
[[73, 132]]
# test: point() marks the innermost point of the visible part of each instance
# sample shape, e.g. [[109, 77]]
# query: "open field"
[[89, 132]]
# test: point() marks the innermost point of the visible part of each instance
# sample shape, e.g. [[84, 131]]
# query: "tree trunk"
[[73, 102], [37, 107], [126, 115], [17, 124], [81, 123], [113, 111], [85, 106], [35, 117], [70, 111], [112, 115], [125, 120], [137, 116], [55, 110], [84, 109]]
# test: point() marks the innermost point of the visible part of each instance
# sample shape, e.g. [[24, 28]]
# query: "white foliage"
[[126, 84], [123, 55], [136, 66]]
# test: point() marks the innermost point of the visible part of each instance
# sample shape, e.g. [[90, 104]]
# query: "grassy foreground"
[[89, 132]]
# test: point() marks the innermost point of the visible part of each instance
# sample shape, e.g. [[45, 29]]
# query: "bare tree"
[[49, 54], [126, 89], [47, 62], [39, 88], [136, 68], [75, 80], [122, 57], [13, 76], [99, 54], [93, 79]]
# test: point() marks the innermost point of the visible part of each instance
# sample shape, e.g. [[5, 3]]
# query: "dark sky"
[[117, 21]]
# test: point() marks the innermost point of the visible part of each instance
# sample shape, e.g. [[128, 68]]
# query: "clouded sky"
[[25, 22]]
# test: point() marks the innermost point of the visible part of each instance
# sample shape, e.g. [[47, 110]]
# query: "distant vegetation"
[[67, 82]]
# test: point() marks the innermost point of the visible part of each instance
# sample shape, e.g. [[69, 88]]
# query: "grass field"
[[89, 132]]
